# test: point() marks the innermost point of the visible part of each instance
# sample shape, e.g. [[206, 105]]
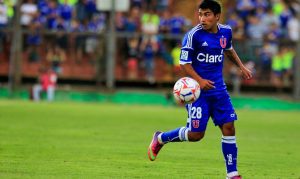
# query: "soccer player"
[[202, 55]]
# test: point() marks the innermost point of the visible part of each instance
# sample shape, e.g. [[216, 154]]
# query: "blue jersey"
[[205, 52]]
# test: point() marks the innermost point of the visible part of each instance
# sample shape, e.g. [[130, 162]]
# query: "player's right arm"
[[186, 56]]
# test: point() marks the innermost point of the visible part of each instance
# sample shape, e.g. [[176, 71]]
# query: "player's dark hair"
[[212, 5]]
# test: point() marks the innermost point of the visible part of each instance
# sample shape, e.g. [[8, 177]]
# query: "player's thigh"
[[198, 115], [223, 110]]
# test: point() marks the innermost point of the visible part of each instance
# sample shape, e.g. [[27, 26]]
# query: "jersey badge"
[[223, 42], [195, 123]]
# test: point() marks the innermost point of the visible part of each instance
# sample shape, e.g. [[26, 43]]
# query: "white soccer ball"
[[186, 90]]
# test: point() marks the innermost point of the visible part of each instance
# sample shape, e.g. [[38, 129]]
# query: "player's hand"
[[246, 73], [206, 84]]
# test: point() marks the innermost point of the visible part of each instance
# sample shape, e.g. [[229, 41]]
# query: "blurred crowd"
[[270, 30], [265, 33]]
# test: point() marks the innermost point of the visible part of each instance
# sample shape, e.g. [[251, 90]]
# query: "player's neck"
[[214, 29]]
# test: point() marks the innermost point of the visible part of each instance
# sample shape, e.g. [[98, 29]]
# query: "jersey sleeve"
[[187, 50], [229, 44]]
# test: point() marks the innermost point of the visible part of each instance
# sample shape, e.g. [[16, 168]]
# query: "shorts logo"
[[184, 55], [195, 123], [223, 42]]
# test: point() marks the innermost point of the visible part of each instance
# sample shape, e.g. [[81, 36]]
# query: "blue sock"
[[176, 135], [230, 153]]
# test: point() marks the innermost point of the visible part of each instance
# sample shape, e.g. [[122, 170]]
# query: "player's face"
[[208, 19]]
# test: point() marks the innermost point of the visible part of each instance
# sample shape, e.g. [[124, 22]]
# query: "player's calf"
[[195, 136]]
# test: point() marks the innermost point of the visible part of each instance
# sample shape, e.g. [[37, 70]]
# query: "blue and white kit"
[[205, 52]]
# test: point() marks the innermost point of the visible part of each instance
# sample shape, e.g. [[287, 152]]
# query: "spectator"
[[28, 11], [52, 15], [43, 6], [10, 9], [270, 18], [265, 55], [132, 58], [277, 68], [149, 49], [3, 23], [260, 12], [162, 5], [272, 34], [92, 41], [133, 23], [239, 30], [244, 8], [284, 17], [56, 56], [65, 12], [177, 24], [175, 53], [61, 38], [232, 20], [70, 2], [288, 58], [255, 33], [256, 28], [264, 4], [120, 21], [136, 3], [47, 83], [90, 9], [292, 26], [164, 24], [76, 29], [150, 25], [80, 11], [278, 7], [33, 42], [164, 53]]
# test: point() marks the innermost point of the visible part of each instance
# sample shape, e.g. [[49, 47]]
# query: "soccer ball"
[[186, 90]]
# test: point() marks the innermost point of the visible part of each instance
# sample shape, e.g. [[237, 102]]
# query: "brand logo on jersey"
[[204, 44], [223, 42], [209, 58]]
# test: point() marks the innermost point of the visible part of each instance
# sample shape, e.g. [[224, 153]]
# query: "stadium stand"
[[77, 29]]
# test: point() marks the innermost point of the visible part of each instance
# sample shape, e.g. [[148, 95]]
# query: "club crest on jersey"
[[195, 123], [223, 42]]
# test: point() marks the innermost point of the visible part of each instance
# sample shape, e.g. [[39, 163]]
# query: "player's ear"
[[218, 16]]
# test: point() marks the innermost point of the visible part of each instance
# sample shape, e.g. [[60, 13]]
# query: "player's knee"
[[228, 129], [195, 136]]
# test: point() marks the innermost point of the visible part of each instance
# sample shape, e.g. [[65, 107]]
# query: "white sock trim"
[[183, 134], [229, 139], [186, 132], [159, 138], [232, 174], [180, 134]]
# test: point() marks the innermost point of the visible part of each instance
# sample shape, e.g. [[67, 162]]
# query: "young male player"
[[202, 55]]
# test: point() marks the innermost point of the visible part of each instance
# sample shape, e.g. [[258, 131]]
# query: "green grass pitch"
[[89, 140]]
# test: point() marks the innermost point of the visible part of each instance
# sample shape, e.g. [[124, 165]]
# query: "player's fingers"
[[248, 76], [210, 82], [210, 86]]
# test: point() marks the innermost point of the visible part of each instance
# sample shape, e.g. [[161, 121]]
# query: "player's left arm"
[[232, 56]]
